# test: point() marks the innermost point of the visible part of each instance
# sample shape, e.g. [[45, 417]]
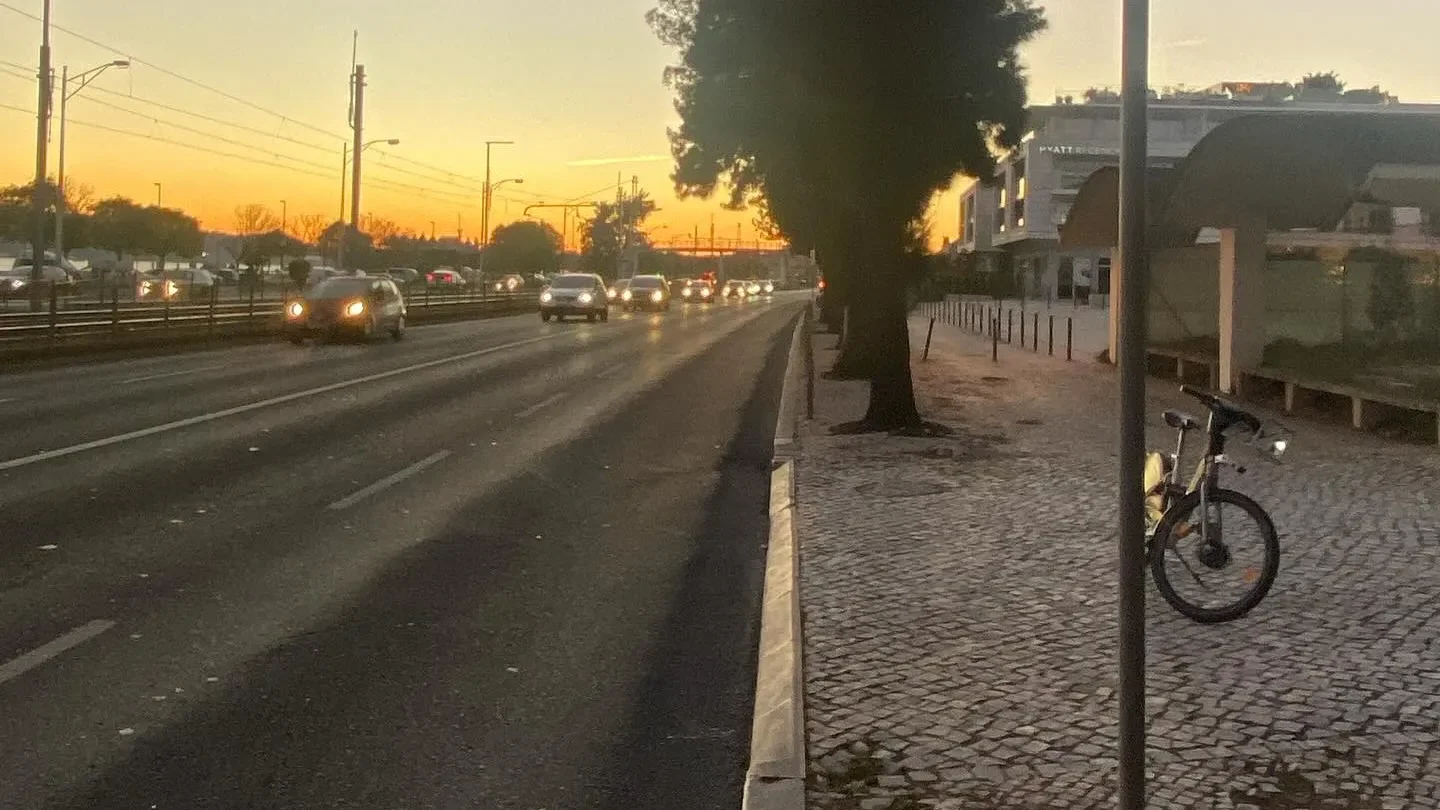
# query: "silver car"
[[575, 294]]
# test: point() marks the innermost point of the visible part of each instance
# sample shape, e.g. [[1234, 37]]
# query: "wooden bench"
[[1184, 361], [1366, 406]]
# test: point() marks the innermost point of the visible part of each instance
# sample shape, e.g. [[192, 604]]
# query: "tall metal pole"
[[60, 204], [42, 131], [340, 246], [1134, 290], [355, 156], [159, 195]]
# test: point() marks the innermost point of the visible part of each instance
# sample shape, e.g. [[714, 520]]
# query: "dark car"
[[617, 290], [349, 306], [575, 294], [647, 293], [697, 292], [734, 288]]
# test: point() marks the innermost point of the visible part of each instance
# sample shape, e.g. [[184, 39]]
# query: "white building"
[[1036, 183]]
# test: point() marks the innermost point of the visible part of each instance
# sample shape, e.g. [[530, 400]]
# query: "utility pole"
[[340, 246], [61, 204], [355, 156], [42, 131], [459, 227], [1134, 290]]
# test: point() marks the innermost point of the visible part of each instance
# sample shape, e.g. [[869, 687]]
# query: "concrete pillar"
[[1117, 277], [1242, 301]]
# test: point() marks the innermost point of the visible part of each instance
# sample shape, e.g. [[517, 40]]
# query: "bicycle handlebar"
[[1225, 407]]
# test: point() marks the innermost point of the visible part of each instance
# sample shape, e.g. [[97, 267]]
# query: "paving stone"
[[959, 601]]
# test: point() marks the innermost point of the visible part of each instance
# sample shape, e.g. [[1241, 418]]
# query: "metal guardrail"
[[54, 325]]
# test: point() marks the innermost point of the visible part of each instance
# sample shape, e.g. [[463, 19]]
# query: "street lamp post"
[[489, 190], [82, 80], [159, 195], [355, 212], [42, 131]]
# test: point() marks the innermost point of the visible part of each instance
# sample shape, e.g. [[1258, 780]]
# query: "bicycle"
[[1177, 511]]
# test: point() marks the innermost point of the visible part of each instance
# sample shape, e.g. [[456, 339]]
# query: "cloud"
[[615, 161]]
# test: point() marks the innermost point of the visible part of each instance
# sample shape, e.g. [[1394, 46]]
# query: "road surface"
[[501, 564]]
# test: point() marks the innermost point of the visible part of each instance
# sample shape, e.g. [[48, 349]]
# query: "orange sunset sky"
[[575, 83]]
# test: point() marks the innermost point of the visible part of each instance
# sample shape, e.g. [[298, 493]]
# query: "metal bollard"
[[995, 339], [1069, 338], [214, 295], [1010, 326], [1022, 329], [1052, 335], [929, 333], [1035, 333], [115, 310]]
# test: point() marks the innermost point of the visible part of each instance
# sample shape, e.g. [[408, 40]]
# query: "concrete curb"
[[775, 779]]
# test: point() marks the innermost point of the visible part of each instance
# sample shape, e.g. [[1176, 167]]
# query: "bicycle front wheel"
[[1215, 567]]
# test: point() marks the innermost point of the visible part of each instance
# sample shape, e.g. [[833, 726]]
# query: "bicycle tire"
[[1271, 568]]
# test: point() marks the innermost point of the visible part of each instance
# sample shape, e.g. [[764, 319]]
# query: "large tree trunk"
[[892, 391]]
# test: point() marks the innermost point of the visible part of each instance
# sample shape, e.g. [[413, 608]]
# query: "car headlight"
[[586, 298], [354, 309], [657, 296], [626, 296], [1278, 447], [687, 292], [171, 289], [499, 287], [705, 293], [769, 288], [546, 297], [144, 288], [611, 294], [296, 309]]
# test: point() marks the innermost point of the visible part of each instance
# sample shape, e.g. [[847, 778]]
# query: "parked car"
[[444, 277], [352, 306], [17, 281], [226, 276], [404, 275], [697, 292], [175, 285], [647, 293], [575, 294]]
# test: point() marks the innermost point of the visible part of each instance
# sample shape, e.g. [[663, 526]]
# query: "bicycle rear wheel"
[[1215, 567]]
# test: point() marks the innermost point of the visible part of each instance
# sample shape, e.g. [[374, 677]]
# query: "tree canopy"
[[525, 246], [842, 118], [614, 228]]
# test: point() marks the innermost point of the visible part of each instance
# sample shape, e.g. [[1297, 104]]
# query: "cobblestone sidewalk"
[[959, 604]]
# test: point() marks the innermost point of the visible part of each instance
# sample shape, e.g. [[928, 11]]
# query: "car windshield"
[[647, 283], [573, 282], [341, 288]]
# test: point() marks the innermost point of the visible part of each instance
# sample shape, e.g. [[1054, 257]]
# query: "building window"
[[1102, 276]]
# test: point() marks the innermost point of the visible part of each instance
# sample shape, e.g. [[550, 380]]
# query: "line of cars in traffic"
[[586, 295]]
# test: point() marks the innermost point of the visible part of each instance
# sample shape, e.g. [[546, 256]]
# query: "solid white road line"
[[168, 374], [255, 406], [539, 406], [19, 666], [390, 481]]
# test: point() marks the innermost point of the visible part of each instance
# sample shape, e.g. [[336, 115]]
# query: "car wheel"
[[559, 318], [545, 316], [398, 332], [604, 316], [367, 332], [590, 318]]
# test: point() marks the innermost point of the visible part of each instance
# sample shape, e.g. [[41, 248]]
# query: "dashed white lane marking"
[[150, 377], [16, 667], [539, 406], [390, 481], [47, 455]]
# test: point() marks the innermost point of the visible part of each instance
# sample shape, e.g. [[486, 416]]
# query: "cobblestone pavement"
[[959, 603]]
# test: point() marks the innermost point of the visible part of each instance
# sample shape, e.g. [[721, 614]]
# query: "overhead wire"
[[173, 74]]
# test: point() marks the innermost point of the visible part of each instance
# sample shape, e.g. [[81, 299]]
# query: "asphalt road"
[[501, 564]]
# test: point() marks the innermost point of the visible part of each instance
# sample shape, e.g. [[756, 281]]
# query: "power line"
[[212, 119], [171, 73], [162, 139], [202, 133], [34, 71]]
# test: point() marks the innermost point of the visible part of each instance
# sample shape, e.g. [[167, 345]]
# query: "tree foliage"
[[524, 247], [308, 227], [125, 227], [614, 228], [842, 118]]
